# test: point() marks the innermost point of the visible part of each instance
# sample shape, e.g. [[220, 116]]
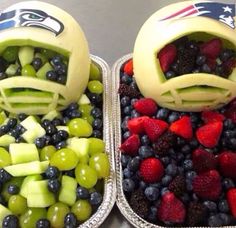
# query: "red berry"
[[209, 134], [128, 67], [171, 209], [203, 160], [229, 65], [231, 199], [227, 164], [212, 48], [135, 125], [151, 170], [182, 127], [231, 112], [146, 106], [207, 185], [167, 56], [211, 63], [212, 116], [154, 128], [131, 145]]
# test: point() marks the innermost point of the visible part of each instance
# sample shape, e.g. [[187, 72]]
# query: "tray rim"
[[121, 201]]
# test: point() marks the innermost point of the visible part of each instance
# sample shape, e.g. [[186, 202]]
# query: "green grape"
[[82, 209], [95, 87], [31, 216], [100, 163], [17, 204], [84, 159], [95, 73], [2, 117], [5, 158], [90, 119], [85, 109], [85, 176], [28, 70], [47, 152], [96, 146], [10, 54], [56, 214], [64, 159], [80, 128], [48, 53]]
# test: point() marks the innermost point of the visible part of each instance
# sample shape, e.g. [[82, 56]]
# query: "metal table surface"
[[111, 27]]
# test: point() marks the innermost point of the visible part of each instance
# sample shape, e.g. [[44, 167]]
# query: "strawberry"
[[212, 48], [131, 145], [135, 125], [231, 199], [154, 128], [182, 127], [231, 113], [151, 170], [227, 164], [208, 135], [167, 56], [128, 67], [207, 185], [212, 116], [171, 209], [145, 106], [203, 160]]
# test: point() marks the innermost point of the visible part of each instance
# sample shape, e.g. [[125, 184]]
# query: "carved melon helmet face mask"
[[43, 26], [188, 92]]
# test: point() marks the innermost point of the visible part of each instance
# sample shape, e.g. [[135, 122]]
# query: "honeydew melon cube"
[[26, 169], [11, 70], [26, 181], [26, 55], [6, 140], [83, 100], [40, 200], [79, 145], [3, 213], [3, 117], [67, 193], [52, 115], [41, 73], [23, 152], [38, 187]]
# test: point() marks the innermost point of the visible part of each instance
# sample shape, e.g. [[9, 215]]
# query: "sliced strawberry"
[[182, 127], [212, 116], [154, 128], [135, 125], [207, 185], [146, 106], [212, 48], [231, 199], [128, 67], [151, 170], [209, 134], [171, 209], [131, 145], [227, 164], [203, 160], [167, 56]]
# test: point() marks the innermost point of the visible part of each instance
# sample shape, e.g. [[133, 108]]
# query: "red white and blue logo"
[[222, 12]]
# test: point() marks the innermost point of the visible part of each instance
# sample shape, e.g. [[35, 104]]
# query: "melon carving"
[[190, 92], [42, 25]]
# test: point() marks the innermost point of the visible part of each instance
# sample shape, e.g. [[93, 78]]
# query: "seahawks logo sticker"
[[30, 18]]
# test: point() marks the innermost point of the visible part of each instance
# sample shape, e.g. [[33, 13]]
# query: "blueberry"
[[22, 116], [193, 144], [180, 170], [226, 219], [61, 79], [61, 145], [185, 198], [96, 112], [4, 176], [12, 122], [188, 164], [95, 98], [133, 101], [126, 135], [20, 140], [75, 114], [134, 114], [54, 185], [51, 129], [215, 221], [56, 138], [151, 193], [180, 157], [189, 185], [128, 173], [10, 221], [133, 85], [223, 206], [205, 68], [162, 113], [128, 185], [210, 205], [61, 69], [166, 180], [180, 141], [70, 173], [175, 67], [4, 129], [52, 172], [145, 151], [190, 175], [173, 117], [73, 106], [65, 120], [126, 79], [200, 60], [97, 134], [142, 185], [145, 141], [70, 220], [165, 160], [45, 123], [228, 124], [51, 75], [170, 74], [195, 197], [226, 54], [3, 75], [133, 164], [164, 191], [219, 70], [124, 126], [15, 133], [152, 217], [95, 198], [63, 134], [56, 122], [37, 63], [125, 160], [171, 170], [43, 223], [56, 60], [227, 183], [186, 149], [127, 110], [40, 142], [97, 124], [82, 193], [232, 143]]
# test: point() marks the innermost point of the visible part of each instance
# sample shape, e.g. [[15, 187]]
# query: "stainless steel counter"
[[111, 27]]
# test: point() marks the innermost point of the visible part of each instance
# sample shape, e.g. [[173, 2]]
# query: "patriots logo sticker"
[[222, 12], [30, 18]]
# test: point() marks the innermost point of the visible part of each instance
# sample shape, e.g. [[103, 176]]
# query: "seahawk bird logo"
[[224, 13], [30, 18]]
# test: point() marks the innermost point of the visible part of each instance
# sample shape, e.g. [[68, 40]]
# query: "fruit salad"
[[177, 168], [52, 167]]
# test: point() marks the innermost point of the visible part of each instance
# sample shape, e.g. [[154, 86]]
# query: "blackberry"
[[139, 203], [126, 90], [195, 214], [178, 185], [164, 143]]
